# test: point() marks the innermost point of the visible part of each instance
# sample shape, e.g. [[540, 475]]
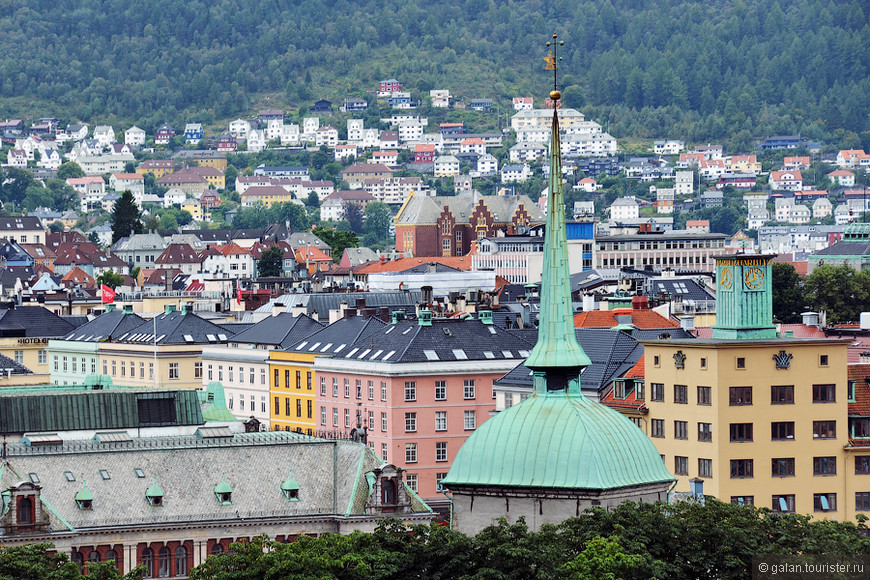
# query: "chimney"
[[384, 313], [349, 312], [485, 316], [169, 309], [278, 309], [424, 318], [810, 318], [369, 313], [397, 315], [128, 309], [426, 295], [110, 307], [360, 303]]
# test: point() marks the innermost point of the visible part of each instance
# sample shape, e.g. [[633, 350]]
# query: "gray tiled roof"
[[174, 328], [331, 477], [283, 330], [105, 326], [33, 321], [425, 210]]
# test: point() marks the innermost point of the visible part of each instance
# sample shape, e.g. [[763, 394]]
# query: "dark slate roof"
[[40, 409], [283, 330], [177, 328], [76, 320], [106, 326], [445, 340], [845, 249], [612, 353], [10, 274], [12, 252], [33, 321], [7, 363], [686, 288], [335, 338], [234, 328]]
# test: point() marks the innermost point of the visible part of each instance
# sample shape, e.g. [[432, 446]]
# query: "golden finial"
[[551, 60]]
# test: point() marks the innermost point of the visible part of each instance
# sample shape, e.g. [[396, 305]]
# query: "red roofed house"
[[627, 395], [356, 174], [424, 153], [795, 163], [639, 315], [842, 178], [390, 158], [853, 158], [180, 256], [312, 259], [786, 180], [472, 145], [78, 277], [698, 226]]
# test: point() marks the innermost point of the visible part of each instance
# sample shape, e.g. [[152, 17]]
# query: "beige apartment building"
[[760, 419]]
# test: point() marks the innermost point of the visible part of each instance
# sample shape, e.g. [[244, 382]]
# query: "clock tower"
[[744, 297]]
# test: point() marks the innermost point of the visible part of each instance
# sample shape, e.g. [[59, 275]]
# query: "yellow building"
[[291, 386], [759, 419]]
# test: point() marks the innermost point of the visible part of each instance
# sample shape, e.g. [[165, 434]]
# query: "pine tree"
[[126, 219]]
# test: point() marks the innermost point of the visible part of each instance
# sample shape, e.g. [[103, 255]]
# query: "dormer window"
[[224, 492], [84, 498], [290, 488], [154, 494]]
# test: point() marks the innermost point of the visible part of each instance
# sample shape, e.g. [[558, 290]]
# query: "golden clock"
[[754, 278], [727, 278]]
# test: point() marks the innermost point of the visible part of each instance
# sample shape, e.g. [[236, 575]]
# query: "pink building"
[[421, 387]]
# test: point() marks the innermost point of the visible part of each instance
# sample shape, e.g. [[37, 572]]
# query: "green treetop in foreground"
[[126, 219], [632, 541]]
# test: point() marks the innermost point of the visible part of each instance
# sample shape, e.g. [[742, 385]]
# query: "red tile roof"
[[643, 319], [402, 264], [860, 373]]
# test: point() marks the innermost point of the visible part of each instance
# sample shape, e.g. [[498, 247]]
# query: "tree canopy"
[[671, 68], [271, 262], [126, 218]]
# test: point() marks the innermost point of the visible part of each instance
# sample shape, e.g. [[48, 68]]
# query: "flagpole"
[[155, 352]]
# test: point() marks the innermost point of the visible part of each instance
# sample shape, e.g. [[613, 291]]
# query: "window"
[[411, 480], [438, 478], [704, 395], [287, 407], [19, 357], [410, 453], [705, 468], [221, 374], [371, 423], [705, 432], [823, 394], [383, 390], [703, 362], [323, 416], [197, 370], [210, 372], [230, 401], [181, 561], [334, 386], [384, 422], [825, 502], [862, 501], [741, 468], [470, 420], [743, 499], [468, 389], [142, 369], [410, 422], [298, 380], [309, 408], [783, 504], [56, 365], [824, 429], [114, 367], [638, 391], [441, 451], [741, 432], [783, 430], [173, 371], [681, 429], [441, 420], [148, 562], [740, 395], [657, 392], [277, 406], [741, 362], [862, 464], [657, 361], [384, 451], [262, 376], [150, 370], [163, 556], [334, 417], [251, 375], [681, 465], [322, 386], [298, 408], [681, 394], [347, 417], [823, 360], [230, 374], [782, 467], [657, 428], [440, 390], [824, 466], [410, 391], [850, 391], [347, 388], [782, 395], [371, 386], [42, 356]]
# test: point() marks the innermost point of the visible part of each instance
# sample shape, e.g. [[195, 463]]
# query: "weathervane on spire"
[[551, 59]]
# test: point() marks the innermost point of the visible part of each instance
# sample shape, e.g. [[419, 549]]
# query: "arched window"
[[25, 511], [217, 549], [181, 561], [112, 556], [163, 556], [389, 492], [148, 562], [93, 557], [78, 559]]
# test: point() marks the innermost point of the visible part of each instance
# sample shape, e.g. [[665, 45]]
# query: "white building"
[[239, 129], [684, 183], [668, 147], [446, 166], [515, 173], [355, 129], [487, 165], [624, 208], [326, 136], [105, 134], [440, 98], [134, 136], [256, 140]]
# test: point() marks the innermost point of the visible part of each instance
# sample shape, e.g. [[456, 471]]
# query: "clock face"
[[754, 278], [727, 278]]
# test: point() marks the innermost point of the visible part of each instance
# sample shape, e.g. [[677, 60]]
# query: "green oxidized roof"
[[154, 490], [223, 486], [84, 494], [558, 441]]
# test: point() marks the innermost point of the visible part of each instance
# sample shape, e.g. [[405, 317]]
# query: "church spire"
[[557, 357]]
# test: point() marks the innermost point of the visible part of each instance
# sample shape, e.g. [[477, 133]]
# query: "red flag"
[[108, 295], [238, 293]]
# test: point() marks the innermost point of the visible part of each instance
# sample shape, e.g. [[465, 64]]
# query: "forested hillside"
[[647, 68]]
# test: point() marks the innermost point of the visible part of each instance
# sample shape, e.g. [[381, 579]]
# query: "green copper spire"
[[557, 358]]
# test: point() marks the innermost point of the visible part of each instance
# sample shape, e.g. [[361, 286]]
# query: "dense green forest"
[[735, 69]]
